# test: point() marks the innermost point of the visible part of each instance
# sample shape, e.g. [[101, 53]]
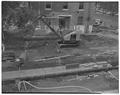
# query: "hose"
[[43, 88], [113, 75]]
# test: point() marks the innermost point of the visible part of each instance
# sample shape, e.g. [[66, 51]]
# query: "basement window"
[[65, 6], [48, 6], [81, 5]]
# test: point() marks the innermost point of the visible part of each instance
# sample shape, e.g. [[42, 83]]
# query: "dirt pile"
[[95, 40]]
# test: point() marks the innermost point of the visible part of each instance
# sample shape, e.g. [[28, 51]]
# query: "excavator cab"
[[71, 42], [73, 37]]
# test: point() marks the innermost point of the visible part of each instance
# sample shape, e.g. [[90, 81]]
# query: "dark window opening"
[[81, 5], [65, 6], [62, 23], [48, 5], [80, 20], [73, 37]]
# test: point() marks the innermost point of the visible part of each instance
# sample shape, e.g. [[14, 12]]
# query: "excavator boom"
[[41, 18]]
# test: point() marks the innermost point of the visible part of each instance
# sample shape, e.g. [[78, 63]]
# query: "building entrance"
[[64, 22]]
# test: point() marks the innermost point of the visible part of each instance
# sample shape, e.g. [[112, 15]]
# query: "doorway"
[[64, 22]]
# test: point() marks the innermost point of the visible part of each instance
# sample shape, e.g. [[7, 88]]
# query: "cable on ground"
[[40, 88], [113, 75]]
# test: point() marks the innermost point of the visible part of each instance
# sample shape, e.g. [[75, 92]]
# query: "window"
[[24, 4], [65, 6], [80, 20], [48, 6], [81, 5]]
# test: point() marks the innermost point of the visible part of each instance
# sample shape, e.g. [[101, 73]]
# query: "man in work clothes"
[[21, 60]]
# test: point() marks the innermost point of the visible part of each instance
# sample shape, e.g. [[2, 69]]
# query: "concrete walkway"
[[59, 70]]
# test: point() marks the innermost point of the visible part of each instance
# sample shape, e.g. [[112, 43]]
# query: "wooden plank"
[[52, 58]]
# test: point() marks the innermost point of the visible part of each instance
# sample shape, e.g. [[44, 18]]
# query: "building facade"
[[66, 15]]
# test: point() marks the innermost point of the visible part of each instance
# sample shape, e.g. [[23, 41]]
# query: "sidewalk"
[[59, 70]]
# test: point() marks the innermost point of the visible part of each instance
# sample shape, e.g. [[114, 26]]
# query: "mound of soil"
[[95, 40]]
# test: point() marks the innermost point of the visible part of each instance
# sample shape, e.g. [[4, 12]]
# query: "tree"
[[17, 20], [110, 6]]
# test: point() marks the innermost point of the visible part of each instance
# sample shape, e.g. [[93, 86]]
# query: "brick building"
[[66, 15]]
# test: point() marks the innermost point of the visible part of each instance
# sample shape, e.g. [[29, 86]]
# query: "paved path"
[[50, 71]]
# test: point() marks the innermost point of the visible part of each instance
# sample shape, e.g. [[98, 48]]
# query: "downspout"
[[88, 17]]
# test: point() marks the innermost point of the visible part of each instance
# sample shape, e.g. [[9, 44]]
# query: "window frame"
[[65, 9], [79, 19], [81, 4], [50, 5]]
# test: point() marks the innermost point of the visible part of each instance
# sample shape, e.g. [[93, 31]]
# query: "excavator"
[[70, 40]]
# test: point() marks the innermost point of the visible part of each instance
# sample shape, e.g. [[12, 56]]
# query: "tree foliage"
[[109, 6], [17, 19]]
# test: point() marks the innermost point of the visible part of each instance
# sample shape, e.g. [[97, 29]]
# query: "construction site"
[[53, 53]]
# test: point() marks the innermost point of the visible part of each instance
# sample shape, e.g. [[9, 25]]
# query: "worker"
[[60, 31], [21, 60]]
